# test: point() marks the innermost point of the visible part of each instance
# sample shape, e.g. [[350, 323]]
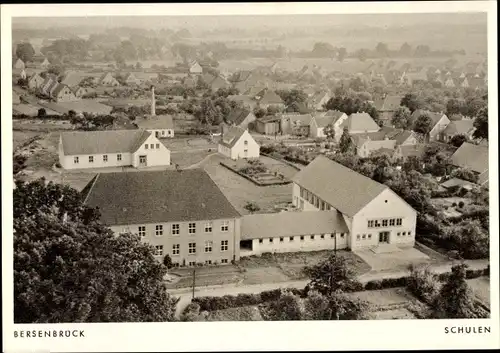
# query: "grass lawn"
[[288, 266], [389, 304], [20, 137], [186, 159], [481, 288]]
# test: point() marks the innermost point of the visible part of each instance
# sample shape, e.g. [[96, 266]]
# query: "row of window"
[[369, 236], [314, 200], [194, 263], [152, 146], [76, 160], [377, 223], [302, 238], [175, 229], [176, 248]]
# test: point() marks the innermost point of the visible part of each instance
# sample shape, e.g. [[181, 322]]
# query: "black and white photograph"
[[175, 167]]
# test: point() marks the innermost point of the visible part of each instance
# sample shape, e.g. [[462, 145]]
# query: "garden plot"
[[257, 172]]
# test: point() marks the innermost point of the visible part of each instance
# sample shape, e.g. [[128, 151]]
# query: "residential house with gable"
[[113, 148], [107, 79], [195, 68], [387, 106], [161, 126], [241, 117], [35, 82], [237, 143], [373, 214], [296, 124], [268, 98], [386, 139], [19, 64], [318, 100], [439, 122], [181, 213], [333, 117], [473, 157], [62, 93], [458, 127], [357, 123]]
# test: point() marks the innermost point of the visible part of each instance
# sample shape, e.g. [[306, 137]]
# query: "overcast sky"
[[285, 21]]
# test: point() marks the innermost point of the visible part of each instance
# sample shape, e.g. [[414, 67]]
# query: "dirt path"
[[202, 162]]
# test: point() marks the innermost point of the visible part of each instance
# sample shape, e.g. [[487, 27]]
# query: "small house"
[[241, 118], [237, 143]]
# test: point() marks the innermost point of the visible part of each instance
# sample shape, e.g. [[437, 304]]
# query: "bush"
[[386, 283], [191, 312], [58, 165], [470, 274], [423, 284], [461, 204]]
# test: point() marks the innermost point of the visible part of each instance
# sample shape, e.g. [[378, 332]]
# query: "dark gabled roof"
[[237, 116], [435, 117], [341, 187], [268, 96], [456, 127], [286, 224], [331, 117], [360, 121], [473, 157], [231, 136], [157, 197], [155, 122], [101, 142], [60, 87]]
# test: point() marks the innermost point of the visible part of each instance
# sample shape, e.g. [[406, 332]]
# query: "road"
[[185, 294]]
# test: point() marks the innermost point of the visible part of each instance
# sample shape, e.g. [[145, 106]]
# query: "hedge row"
[[235, 301]]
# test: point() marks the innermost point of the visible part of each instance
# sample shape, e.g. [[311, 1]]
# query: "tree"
[[252, 207], [471, 238], [402, 118], [345, 143], [259, 112], [42, 113], [341, 54], [423, 124], [329, 132], [25, 52], [382, 50], [481, 124], [287, 308], [167, 261], [70, 268], [458, 140], [455, 299], [138, 65], [454, 106], [330, 275], [411, 101], [405, 50], [293, 96]]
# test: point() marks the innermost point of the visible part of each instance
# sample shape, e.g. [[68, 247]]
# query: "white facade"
[[151, 153], [298, 243], [162, 133], [435, 133], [396, 218], [245, 147]]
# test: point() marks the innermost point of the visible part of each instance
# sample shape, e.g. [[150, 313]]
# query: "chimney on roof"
[[153, 101]]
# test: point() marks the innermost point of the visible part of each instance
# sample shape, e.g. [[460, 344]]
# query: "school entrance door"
[[383, 237]]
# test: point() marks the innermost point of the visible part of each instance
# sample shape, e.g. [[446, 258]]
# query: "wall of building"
[[155, 156], [388, 206], [68, 162], [167, 240], [162, 132], [225, 151], [252, 148], [435, 133], [298, 243]]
